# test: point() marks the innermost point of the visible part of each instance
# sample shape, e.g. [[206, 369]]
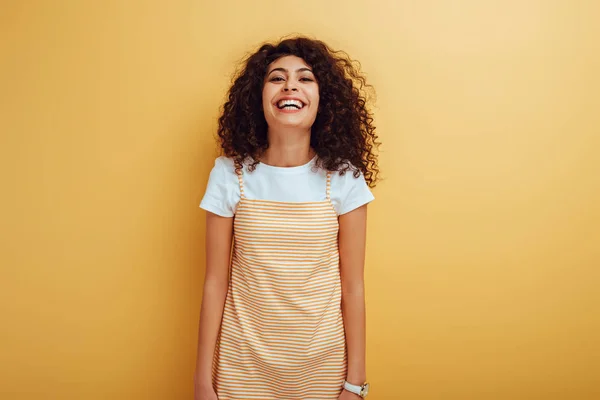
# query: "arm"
[[352, 242], [219, 232]]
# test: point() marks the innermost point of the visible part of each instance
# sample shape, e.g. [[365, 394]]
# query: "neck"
[[288, 149]]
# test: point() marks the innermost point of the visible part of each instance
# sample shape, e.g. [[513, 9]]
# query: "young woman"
[[283, 314]]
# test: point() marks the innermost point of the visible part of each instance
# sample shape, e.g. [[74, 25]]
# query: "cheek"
[[315, 96], [268, 94], [317, 100], [265, 99]]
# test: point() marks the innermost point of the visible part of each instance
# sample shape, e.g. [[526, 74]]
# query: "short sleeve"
[[348, 193], [222, 191]]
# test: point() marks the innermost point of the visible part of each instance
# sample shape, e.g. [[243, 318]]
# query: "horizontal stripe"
[[282, 333]]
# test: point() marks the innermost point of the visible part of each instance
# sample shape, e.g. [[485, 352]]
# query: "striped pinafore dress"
[[282, 334]]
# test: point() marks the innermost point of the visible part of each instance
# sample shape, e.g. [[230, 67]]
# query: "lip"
[[290, 98], [288, 111]]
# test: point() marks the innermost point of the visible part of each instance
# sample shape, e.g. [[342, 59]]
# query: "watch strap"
[[352, 388]]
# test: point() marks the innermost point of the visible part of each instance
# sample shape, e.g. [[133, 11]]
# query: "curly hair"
[[343, 134]]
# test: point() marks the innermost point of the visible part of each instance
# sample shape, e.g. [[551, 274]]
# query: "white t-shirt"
[[293, 184]]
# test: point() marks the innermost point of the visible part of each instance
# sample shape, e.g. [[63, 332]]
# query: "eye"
[[276, 79], [306, 79]]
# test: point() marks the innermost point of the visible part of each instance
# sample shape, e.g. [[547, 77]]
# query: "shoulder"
[[346, 176], [349, 190], [224, 164], [224, 169], [222, 191], [351, 177]]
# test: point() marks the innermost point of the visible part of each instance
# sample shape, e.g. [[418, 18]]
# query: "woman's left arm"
[[352, 242]]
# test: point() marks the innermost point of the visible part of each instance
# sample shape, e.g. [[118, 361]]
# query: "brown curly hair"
[[343, 134]]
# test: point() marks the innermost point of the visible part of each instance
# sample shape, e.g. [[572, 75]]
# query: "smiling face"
[[290, 96]]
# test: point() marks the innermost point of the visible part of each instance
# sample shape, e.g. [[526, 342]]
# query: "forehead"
[[291, 63]]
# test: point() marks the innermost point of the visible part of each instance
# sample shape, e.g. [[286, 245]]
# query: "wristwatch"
[[362, 390]]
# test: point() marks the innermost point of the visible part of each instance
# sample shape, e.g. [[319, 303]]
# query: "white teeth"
[[284, 103]]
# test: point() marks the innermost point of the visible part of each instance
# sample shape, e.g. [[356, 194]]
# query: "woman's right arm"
[[219, 232]]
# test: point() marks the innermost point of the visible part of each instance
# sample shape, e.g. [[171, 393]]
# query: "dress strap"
[[328, 185], [241, 182]]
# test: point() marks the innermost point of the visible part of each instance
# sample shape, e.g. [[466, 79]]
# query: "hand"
[[205, 392], [346, 395]]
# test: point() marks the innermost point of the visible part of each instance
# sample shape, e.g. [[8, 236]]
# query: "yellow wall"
[[484, 240]]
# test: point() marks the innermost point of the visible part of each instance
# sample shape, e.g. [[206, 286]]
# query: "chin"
[[296, 126], [291, 123]]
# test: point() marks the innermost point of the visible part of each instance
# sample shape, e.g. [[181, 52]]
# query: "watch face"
[[365, 390]]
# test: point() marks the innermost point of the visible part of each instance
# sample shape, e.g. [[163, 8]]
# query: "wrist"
[[356, 377], [356, 382], [361, 390]]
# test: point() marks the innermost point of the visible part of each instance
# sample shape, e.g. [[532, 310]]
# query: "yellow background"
[[484, 241]]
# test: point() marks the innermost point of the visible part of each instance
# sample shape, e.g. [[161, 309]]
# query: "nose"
[[289, 86]]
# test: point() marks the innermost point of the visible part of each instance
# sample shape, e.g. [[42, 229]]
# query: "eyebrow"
[[286, 71]]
